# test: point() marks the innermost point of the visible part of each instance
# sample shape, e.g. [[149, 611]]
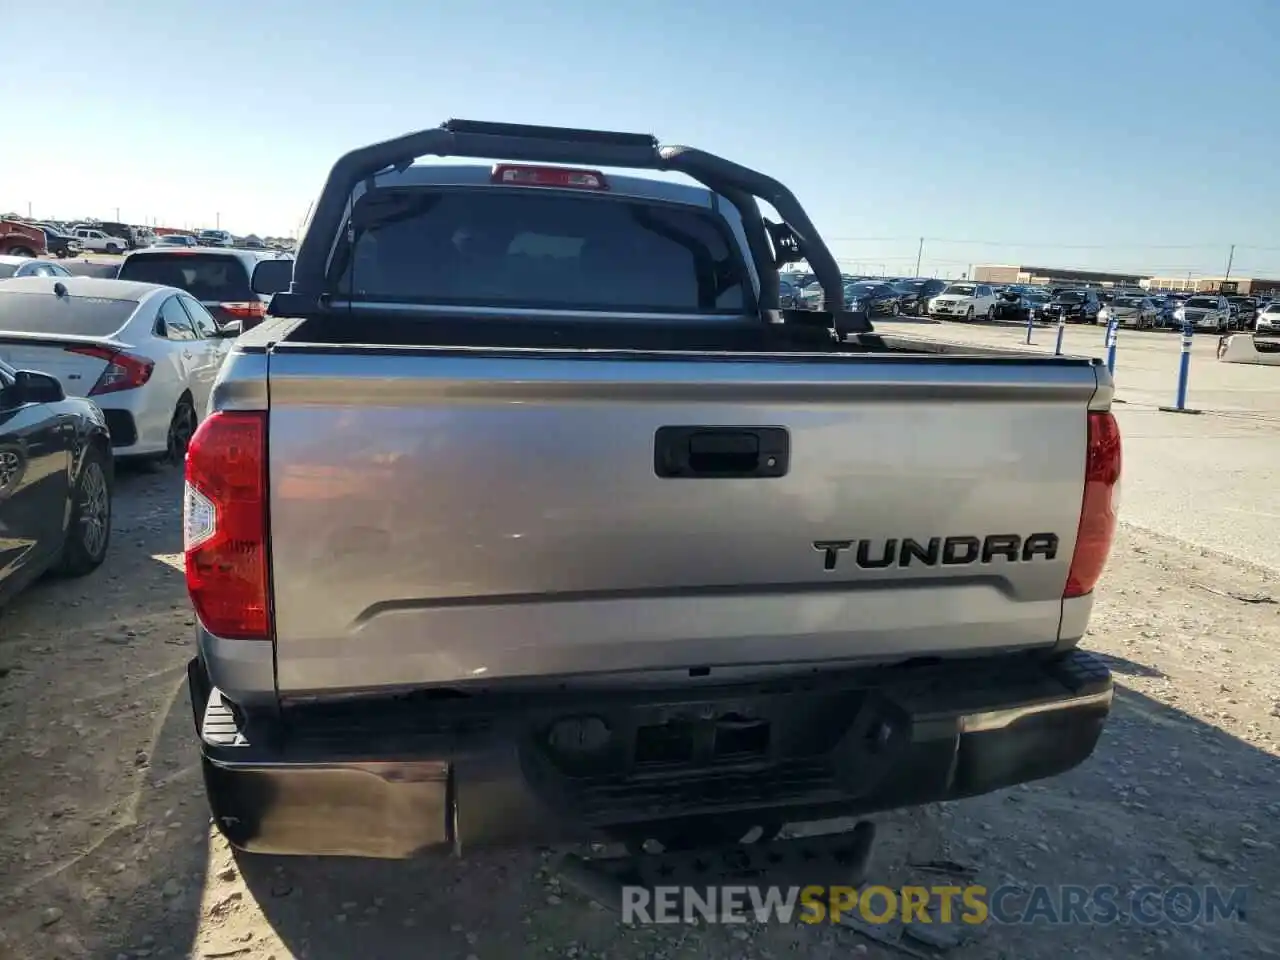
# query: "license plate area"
[[704, 741], [683, 738]]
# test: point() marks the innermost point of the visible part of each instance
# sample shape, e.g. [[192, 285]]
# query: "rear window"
[[206, 276], [540, 250], [49, 314], [8, 270]]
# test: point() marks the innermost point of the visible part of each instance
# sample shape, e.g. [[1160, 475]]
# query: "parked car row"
[[94, 370], [70, 238], [974, 300], [878, 296]]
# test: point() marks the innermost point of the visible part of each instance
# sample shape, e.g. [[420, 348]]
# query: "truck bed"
[[467, 517]]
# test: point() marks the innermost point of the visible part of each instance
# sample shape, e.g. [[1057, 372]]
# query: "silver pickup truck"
[[527, 516]]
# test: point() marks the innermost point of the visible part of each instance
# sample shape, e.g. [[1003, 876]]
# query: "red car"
[[18, 239]]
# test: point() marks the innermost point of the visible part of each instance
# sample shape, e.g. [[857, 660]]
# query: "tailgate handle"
[[721, 452]]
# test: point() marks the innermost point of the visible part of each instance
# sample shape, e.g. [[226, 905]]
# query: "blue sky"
[[1123, 134]]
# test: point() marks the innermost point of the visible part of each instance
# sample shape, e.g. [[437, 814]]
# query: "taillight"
[[527, 176], [1099, 505], [254, 309], [224, 525], [124, 370]]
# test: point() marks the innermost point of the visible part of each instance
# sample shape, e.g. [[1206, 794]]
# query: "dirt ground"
[[106, 850]]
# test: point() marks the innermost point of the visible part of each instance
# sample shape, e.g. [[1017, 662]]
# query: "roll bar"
[[541, 144]]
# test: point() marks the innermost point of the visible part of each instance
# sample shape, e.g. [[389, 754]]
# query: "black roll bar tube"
[[537, 144]]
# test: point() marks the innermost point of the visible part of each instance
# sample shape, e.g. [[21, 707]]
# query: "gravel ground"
[[106, 849]]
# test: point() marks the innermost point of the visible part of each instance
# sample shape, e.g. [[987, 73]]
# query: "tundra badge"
[[940, 551]]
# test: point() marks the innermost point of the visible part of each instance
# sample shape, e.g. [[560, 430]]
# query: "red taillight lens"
[[124, 370], [255, 309], [527, 176], [224, 525], [1100, 505]]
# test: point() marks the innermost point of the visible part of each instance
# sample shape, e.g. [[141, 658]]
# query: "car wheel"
[[894, 309], [21, 252], [89, 532], [181, 429], [113, 248], [968, 314], [991, 312]]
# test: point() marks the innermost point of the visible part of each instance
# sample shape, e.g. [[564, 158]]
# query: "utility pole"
[[217, 221], [117, 214], [29, 217], [919, 254], [1230, 259]]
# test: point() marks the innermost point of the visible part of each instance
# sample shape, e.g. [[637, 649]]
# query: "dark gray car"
[[219, 279], [55, 481]]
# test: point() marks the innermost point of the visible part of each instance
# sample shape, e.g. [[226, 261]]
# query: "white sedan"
[[30, 267], [146, 354]]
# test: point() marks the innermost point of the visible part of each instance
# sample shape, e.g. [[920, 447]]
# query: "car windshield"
[[1203, 303], [542, 250], [960, 290], [1070, 296], [206, 276], [1128, 301], [26, 312]]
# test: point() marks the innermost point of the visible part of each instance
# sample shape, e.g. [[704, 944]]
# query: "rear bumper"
[[138, 425], [397, 779]]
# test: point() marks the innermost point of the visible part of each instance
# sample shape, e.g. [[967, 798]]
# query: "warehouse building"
[[1008, 273], [1252, 286], [1056, 276]]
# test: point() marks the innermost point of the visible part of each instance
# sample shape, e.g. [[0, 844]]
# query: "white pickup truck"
[[98, 241]]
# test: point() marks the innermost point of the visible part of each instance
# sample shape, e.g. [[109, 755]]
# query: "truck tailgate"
[[439, 517]]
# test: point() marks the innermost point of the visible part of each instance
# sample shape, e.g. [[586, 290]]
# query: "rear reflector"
[[224, 525], [563, 177], [1099, 507], [124, 370]]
